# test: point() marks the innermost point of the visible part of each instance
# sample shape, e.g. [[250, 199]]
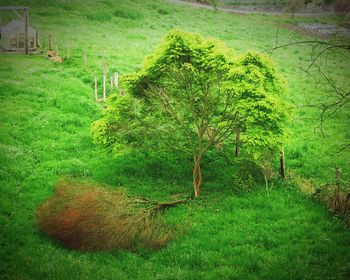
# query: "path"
[[240, 11]]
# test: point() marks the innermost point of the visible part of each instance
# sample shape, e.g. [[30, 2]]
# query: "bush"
[[88, 217], [250, 171]]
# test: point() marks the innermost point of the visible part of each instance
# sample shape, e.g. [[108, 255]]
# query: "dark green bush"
[[248, 170]]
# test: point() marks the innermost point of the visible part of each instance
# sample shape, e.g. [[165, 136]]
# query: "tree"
[[294, 5], [334, 105], [213, 3], [339, 96], [341, 8], [191, 95]]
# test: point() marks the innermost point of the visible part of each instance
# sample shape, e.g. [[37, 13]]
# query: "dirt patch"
[[251, 9], [325, 29], [316, 32]]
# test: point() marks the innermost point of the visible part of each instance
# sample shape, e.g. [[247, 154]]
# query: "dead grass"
[[337, 200], [88, 217]]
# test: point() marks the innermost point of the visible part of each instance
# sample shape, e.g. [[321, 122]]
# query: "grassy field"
[[45, 116]]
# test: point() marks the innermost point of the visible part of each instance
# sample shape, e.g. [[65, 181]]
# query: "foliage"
[[341, 8], [192, 94], [89, 217], [294, 5]]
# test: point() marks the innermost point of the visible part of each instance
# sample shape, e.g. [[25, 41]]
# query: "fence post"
[[282, 164], [104, 81], [95, 81], [238, 144], [26, 31], [111, 83], [37, 39], [116, 80]]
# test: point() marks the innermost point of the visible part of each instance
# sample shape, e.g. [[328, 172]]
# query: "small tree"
[[294, 5], [213, 3], [192, 94], [341, 8]]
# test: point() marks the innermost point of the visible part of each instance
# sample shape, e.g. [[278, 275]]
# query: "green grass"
[[45, 116]]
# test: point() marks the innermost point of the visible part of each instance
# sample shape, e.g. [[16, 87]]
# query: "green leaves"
[[193, 93], [259, 91]]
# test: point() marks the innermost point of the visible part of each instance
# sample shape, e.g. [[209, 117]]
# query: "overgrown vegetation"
[[89, 217]]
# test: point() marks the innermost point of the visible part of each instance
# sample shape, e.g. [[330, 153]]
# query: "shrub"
[[88, 217], [250, 170]]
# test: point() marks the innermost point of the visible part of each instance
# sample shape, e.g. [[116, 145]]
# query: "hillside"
[[45, 117]]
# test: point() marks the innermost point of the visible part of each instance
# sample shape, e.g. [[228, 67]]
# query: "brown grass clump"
[[88, 217], [53, 56], [338, 201]]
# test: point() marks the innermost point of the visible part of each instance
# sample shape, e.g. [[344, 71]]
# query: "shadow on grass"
[[164, 174]]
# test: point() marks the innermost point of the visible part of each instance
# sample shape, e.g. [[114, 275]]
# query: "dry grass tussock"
[[334, 196], [337, 200], [89, 217]]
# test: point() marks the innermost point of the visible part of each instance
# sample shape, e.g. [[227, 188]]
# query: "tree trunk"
[[238, 140], [197, 175], [282, 165], [26, 32]]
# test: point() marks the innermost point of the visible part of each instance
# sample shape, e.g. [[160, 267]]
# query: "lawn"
[[45, 117]]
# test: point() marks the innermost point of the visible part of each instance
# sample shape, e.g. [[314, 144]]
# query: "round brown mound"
[[89, 217]]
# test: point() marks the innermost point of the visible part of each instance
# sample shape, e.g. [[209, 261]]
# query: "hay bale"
[[56, 59], [51, 53], [53, 56], [88, 217]]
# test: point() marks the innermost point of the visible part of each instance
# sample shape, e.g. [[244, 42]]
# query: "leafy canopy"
[[193, 94]]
